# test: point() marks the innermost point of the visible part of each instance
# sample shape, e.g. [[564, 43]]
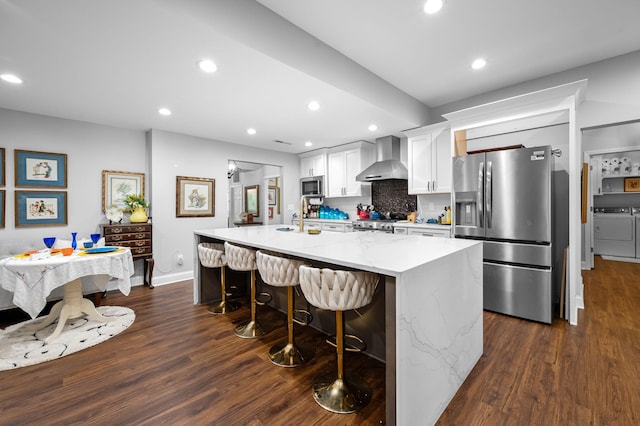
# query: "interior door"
[[518, 194]]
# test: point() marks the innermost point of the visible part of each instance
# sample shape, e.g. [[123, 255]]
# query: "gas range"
[[378, 225]]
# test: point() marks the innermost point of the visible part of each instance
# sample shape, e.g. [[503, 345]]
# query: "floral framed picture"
[[252, 199], [2, 207], [195, 197], [40, 208], [40, 169], [270, 212], [116, 186], [2, 166]]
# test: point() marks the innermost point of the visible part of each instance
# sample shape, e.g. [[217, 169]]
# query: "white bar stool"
[[339, 291], [244, 259], [280, 271], [212, 256]]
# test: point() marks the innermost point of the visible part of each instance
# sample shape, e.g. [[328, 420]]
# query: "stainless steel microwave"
[[313, 185]]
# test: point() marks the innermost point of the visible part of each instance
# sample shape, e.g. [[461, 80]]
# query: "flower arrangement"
[[135, 200]]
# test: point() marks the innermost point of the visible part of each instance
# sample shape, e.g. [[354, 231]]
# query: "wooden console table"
[[136, 236]]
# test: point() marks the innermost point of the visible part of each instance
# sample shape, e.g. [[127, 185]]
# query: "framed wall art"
[[270, 212], [274, 197], [3, 196], [273, 181], [631, 184], [2, 166], [40, 169], [195, 197], [40, 208], [252, 199], [117, 185]]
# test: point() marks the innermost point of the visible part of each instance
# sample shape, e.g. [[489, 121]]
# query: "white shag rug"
[[20, 347]]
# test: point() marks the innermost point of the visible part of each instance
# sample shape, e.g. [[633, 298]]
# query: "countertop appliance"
[[614, 232], [313, 185], [505, 199], [376, 225]]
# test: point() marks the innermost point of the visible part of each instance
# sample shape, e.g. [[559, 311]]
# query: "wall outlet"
[[179, 259]]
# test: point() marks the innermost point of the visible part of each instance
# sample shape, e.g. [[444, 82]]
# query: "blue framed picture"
[[2, 207], [2, 168], [41, 208], [40, 169]]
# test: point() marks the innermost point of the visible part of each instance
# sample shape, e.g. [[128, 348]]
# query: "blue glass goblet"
[[49, 242], [95, 238]]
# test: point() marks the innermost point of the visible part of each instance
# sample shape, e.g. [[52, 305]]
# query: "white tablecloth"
[[31, 281]]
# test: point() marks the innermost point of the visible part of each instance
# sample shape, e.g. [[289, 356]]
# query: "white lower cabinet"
[[424, 231], [430, 232], [324, 225]]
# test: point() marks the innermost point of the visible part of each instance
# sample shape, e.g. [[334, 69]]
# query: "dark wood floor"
[[177, 364]]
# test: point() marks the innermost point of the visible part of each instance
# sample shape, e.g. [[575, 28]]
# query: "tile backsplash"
[[393, 196]]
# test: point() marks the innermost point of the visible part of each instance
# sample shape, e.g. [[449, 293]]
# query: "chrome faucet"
[[303, 205]]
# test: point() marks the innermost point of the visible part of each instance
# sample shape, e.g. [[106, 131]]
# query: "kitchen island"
[[433, 304]]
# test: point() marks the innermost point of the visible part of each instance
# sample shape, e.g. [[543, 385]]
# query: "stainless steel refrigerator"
[[505, 199]]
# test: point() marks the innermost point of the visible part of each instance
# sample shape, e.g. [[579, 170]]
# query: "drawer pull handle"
[[117, 238], [140, 243], [116, 230]]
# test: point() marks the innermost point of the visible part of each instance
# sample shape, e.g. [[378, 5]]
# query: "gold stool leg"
[[223, 307], [253, 328], [334, 392], [290, 354]]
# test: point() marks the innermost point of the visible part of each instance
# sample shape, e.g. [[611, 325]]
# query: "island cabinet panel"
[[136, 236]]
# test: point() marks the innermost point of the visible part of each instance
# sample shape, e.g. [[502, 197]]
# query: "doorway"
[[255, 189]]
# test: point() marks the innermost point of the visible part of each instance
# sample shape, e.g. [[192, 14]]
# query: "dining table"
[[31, 277]]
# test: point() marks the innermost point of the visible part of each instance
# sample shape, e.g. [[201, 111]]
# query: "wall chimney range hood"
[[387, 164]]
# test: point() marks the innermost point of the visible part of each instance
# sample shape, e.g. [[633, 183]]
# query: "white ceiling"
[[366, 61]]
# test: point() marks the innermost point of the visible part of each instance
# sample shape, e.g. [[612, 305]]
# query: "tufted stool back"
[[337, 290], [211, 255], [278, 271], [240, 258]]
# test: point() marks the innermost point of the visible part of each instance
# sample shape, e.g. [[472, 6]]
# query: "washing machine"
[[614, 232]]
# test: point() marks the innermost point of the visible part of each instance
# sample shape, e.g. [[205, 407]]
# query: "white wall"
[[162, 156], [90, 148], [181, 155]]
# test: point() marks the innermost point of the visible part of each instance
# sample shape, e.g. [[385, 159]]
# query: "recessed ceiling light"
[[432, 6], [164, 111], [313, 106], [251, 131], [308, 143], [207, 65], [373, 127], [478, 63], [10, 78]]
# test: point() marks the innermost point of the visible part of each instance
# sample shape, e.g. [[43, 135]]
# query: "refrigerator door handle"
[[481, 195], [489, 199]]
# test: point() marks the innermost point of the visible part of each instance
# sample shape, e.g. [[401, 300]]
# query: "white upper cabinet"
[[429, 157], [343, 165], [313, 163]]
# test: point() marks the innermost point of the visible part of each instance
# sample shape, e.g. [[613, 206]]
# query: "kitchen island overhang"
[[433, 302]]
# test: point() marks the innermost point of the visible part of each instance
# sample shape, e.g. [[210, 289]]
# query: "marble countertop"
[[388, 254]]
